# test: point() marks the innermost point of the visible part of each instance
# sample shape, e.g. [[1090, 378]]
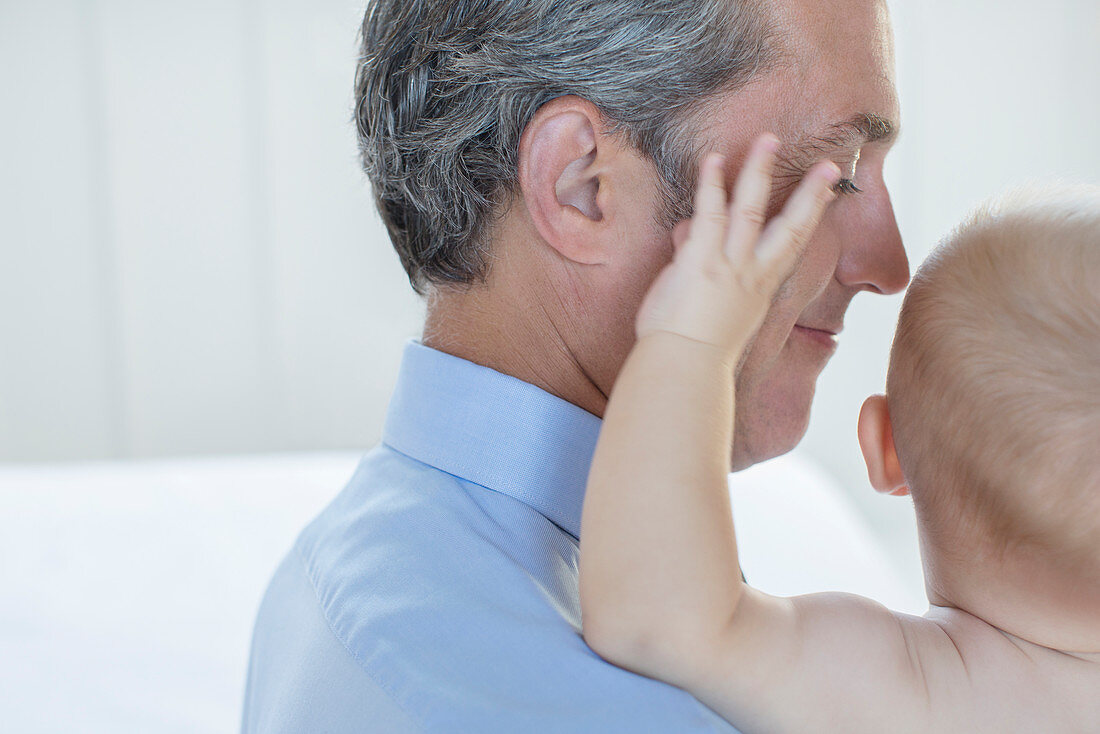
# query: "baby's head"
[[993, 391]]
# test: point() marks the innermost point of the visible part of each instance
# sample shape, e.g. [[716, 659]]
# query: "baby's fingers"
[[787, 234], [709, 222], [750, 199]]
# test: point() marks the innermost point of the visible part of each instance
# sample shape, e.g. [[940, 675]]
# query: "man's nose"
[[874, 258]]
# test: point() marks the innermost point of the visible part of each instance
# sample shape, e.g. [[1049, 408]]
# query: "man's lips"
[[826, 336], [826, 328]]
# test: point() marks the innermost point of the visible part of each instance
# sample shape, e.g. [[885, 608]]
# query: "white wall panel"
[[174, 89], [58, 376], [343, 305]]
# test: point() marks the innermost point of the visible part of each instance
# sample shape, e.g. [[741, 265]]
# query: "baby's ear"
[[876, 439]]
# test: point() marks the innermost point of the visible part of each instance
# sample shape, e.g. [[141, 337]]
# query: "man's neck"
[[507, 335]]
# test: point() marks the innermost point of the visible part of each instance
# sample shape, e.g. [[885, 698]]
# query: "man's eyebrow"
[[866, 127], [861, 129], [855, 132]]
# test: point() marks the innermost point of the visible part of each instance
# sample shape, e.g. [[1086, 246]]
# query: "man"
[[533, 161]]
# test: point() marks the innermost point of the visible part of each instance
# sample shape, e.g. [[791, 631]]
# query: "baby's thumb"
[[680, 234]]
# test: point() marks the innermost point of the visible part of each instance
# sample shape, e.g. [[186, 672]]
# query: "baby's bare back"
[[981, 679]]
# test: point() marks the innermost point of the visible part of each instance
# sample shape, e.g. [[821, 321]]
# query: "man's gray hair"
[[445, 88]]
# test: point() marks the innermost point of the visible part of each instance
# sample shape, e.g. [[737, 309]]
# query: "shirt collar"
[[494, 430]]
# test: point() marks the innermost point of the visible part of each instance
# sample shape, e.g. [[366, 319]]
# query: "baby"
[[991, 421]]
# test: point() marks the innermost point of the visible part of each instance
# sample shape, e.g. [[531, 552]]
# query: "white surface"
[[128, 590]]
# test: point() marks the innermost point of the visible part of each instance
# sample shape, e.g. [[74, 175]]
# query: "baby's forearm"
[[658, 556]]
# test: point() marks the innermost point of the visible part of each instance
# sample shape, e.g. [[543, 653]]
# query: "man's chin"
[[773, 420], [754, 450]]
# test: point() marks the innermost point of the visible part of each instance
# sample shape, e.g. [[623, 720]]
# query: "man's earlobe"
[[876, 441]]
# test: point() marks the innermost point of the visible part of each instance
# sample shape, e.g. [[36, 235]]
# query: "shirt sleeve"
[[301, 678]]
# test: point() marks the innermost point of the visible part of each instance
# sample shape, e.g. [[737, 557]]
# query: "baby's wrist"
[[726, 354]]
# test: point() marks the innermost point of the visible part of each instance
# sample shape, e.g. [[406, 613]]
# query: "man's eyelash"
[[846, 186]]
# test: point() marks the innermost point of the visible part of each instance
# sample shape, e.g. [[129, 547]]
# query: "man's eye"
[[846, 186]]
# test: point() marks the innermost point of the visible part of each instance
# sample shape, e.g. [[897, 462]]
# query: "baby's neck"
[[1030, 602]]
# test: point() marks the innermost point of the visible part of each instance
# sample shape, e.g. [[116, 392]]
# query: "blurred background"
[[191, 266]]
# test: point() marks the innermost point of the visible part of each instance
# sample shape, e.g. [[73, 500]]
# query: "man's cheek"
[[746, 358], [766, 346], [809, 279], [822, 259]]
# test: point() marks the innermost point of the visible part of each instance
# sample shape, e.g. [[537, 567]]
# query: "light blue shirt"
[[438, 591]]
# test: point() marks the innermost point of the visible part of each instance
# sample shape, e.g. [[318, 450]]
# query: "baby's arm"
[[828, 662], [672, 605], [658, 559], [661, 591]]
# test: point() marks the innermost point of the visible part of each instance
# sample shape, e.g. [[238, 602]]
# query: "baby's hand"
[[721, 281]]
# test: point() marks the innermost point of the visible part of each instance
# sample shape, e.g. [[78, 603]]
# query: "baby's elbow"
[[660, 654], [611, 642], [615, 636], [632, 652]]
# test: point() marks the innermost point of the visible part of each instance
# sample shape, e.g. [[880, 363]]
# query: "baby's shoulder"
[[1003, 683]]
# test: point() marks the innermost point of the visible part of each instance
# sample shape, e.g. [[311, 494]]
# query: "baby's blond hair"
[[994, 379]]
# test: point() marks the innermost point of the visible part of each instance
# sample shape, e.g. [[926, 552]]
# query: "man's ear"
[[563, 175], [876, 440]]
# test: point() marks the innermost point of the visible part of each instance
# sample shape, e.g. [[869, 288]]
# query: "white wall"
[[190, 261]]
